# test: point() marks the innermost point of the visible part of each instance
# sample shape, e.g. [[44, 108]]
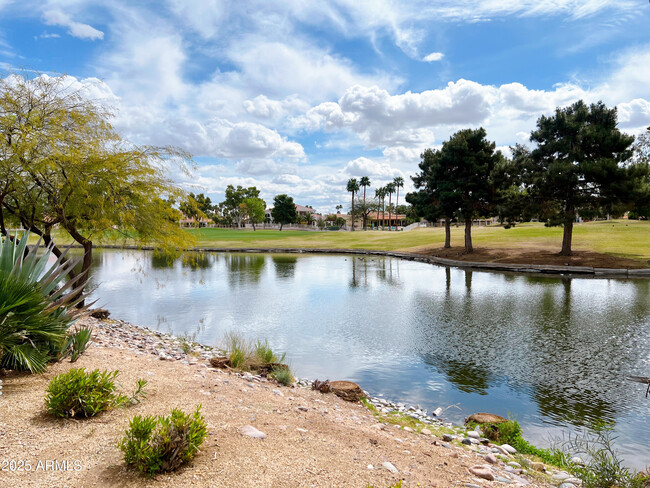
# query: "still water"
[[554, 352]]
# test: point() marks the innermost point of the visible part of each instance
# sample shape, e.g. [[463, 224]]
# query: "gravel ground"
[[312, 440]]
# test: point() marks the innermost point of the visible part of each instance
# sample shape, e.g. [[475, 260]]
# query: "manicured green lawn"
[[617, 237]]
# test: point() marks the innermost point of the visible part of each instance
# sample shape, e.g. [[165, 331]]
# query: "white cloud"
[[430, 58], [75, 29], [367, 167]]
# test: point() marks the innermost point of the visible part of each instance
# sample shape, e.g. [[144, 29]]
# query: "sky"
[[298, 96]]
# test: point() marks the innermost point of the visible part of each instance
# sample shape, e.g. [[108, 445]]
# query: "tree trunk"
[[253, 226], [389, 212], [468, 236], [567, 237], [281, 224], [447, 233], [365, 217], [352, 216]]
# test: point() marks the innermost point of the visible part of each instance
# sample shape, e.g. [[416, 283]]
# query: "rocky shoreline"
[[493, 463]]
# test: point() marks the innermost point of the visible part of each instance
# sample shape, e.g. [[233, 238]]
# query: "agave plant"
[[37, 304]]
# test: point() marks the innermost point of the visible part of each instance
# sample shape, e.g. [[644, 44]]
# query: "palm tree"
[[390, 188], [380, 193], [365, 182], [353, 187], [399, 183]]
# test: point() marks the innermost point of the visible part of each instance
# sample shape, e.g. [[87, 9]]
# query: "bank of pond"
[[554, 352]]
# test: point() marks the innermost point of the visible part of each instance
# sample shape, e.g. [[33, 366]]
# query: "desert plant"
[[77, 343], [265, 354], [78, 393], [282, 375], [154, 444], [238, 350], [36, 305], [603, 467]]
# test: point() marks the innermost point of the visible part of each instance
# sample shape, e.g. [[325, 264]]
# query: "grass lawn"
[[622, 238]]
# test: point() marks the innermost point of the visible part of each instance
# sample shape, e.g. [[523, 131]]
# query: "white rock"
[[437, 412], [278, 392], [473, 434], [508, 448], [390, 467], [370, 466], [250, 431]]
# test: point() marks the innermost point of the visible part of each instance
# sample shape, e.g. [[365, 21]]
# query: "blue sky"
[[298, 96]]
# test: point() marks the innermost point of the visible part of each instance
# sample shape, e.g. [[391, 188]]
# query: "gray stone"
[[467, 441], [447, 437], [250, 431], [561, 475], [473, 434], [567, 485]]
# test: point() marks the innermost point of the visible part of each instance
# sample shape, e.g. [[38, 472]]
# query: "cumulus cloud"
[[430, 58], [75, 29], [367, 167]]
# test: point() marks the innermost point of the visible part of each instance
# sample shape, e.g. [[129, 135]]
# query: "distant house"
[[192, 222], [302, 211]]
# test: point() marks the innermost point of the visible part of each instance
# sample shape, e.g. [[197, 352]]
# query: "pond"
[[554, 352]]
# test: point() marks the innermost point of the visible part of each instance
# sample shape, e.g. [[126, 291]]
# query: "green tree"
[[577, 166], [62, 164], [640, 172], [352, 187], [284, 210], [255, 210], [231, 208], [364, 182]]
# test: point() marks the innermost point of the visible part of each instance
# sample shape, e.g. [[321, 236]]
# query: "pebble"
[[473, 434], [426, 431], [447, 437], [490, 458], [567, 485], [508, 448], [562, 475], [278, 392], [389, 466], [482, 472], [250, 431]]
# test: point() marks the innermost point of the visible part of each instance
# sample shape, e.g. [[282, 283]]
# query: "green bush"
[[282, 375], [238, 350], [77, 343], [604, 468], [154, 444], [78, 393], [37, 305], [510, 433], [265, 354]]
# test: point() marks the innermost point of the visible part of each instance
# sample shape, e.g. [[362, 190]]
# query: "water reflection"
[[285, 265], [552, 351], [244, 268]]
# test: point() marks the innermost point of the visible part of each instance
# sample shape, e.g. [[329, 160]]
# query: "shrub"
[[78, 393], [36, 305], [77, 343], [282, 375], [153, 444], [265, 354], [238, 350], [604, 468], [510, 433]]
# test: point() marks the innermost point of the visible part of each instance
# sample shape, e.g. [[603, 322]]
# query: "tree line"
[[580, 165], [361, 208]]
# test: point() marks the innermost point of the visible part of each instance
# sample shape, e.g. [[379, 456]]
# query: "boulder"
[[485, 418], [482, 472], [220, 362], [100, 313], [347, 390]]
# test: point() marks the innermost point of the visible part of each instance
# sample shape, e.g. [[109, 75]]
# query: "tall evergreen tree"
[[352, 187], [577, 166]]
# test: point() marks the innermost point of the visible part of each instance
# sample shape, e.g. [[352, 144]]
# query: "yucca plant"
[[37, 304]]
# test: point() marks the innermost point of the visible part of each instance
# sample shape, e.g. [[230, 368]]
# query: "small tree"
[[284, 210], [577, 166], [62, 164], [255, 210]]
